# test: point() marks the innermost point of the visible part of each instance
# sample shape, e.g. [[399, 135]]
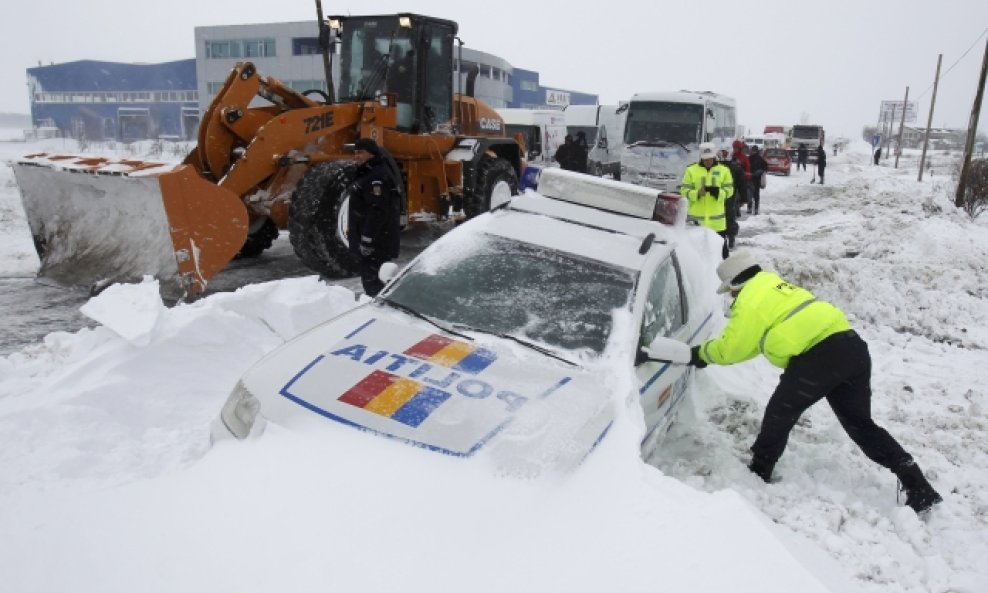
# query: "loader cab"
[[406, 54]]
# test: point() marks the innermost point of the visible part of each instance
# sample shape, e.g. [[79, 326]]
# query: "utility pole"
[[929, 121], [902, 123], [972, 129], [891, 128]]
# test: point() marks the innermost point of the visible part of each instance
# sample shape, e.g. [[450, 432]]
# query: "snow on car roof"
[[567, 235], [608, 222]]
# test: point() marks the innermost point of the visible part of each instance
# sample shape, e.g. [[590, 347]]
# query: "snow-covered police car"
[[506, 334]]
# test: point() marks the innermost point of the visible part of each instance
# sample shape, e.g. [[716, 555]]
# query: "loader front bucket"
[[96, 222]]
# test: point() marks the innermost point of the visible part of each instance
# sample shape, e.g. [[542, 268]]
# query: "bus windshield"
[[651, 122]]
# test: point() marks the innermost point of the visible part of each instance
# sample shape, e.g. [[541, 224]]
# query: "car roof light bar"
[[612, 196]]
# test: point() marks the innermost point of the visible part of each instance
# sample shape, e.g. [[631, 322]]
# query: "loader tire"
[[496, 183], [259, 241], [316, 220]]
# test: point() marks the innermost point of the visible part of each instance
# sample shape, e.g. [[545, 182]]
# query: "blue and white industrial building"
[[109, 100]]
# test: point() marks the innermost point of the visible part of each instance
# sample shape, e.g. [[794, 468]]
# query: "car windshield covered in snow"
[[501, 286]]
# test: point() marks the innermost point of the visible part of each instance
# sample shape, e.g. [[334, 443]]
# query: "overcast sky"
[[830, 63]]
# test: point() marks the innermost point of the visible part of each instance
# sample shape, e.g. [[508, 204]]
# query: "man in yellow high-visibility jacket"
[[821, 357], [707, 185]]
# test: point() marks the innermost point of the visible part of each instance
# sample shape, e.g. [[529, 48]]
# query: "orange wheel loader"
[[283, 164]]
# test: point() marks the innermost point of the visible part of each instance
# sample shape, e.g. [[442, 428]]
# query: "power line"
[[955, 63]]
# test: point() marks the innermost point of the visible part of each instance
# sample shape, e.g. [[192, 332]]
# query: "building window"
[[237, 48], [259, 48], [305, 46], [119, 96], [528, 85], [223, 49]]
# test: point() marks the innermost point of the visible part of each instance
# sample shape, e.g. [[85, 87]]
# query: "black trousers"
[[724, 249], [839, 369], [369, 267], [756, 194], [731, 213]]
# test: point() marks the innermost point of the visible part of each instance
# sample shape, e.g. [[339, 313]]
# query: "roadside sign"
[[876, 140], [555, 98], [893, 110]]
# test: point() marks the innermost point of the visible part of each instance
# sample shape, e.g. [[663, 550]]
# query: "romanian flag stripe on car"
[[398, 398], [454, 354]]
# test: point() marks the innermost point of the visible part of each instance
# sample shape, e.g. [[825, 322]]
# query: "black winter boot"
[[761, 468], [920, 495]]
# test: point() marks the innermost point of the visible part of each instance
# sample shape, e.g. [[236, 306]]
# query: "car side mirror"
[[665, 350], [388, 271]]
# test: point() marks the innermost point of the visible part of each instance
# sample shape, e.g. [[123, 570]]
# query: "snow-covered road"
[[107, 481]]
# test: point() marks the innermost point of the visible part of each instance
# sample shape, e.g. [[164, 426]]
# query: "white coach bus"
[[663, 131]]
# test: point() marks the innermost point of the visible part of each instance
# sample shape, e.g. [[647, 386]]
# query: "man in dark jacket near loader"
[[566, 154], [821, 357], [374, 221]]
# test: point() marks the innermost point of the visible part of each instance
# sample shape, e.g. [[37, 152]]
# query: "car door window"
[[665, 308]]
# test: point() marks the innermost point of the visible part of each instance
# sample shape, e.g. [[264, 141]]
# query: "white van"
[[603, 126], [542, 129], [759, 141]]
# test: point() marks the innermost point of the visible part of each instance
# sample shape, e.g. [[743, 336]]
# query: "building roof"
[[91, 75]]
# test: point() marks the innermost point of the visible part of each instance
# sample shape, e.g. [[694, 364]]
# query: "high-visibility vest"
[[776, 319], [708, 210]]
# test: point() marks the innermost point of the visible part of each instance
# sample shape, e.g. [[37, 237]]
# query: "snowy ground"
[[108, 481]]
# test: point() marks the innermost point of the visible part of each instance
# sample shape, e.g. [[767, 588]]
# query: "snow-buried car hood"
[[380, 371]]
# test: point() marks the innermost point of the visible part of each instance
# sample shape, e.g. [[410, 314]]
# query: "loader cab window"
[[438, 71], [379, 56]]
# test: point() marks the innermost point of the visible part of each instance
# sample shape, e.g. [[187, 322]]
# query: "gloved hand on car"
[[695, 359]]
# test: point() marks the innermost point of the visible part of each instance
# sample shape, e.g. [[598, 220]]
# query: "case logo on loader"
[[490, 124], [318, 122]]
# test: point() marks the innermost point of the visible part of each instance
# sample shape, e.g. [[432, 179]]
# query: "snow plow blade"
[[96, 222]]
